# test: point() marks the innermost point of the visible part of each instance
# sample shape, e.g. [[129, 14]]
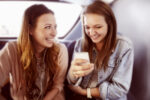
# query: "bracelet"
[[89, 93]]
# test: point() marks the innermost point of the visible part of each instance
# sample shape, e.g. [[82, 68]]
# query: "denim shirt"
[[121, 61]]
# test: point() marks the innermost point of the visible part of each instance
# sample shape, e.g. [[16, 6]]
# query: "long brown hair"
[[101, 8], [25, 46]]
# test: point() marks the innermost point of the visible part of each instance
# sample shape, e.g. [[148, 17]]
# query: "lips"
[[49, 40], [95, 37]]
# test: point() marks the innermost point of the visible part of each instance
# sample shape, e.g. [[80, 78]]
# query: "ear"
[[31, 32]]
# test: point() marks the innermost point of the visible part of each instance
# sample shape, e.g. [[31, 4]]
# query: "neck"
[[38, 55], [99, 46], [38, 50]]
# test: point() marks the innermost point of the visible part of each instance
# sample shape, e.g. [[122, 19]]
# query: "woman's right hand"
[[80, 68]]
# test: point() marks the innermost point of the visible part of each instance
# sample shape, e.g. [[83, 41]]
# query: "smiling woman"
[[34, 64], [10, 19], [108, 75]]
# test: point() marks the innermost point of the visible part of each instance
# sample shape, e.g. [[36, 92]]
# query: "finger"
[[75, 75], [87, 66], [88, 71], [80, 73], [80, 61], [82, 67], [83, 72], [73, 62]]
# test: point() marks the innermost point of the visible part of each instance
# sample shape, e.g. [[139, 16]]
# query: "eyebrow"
[[94, 25], [48, 24], [98, 25]]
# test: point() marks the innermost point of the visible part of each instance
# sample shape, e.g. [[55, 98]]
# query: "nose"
[[53, 32], [91, 31]]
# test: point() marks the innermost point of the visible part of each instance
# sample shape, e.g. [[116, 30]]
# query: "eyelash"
[[48, 27], [99, 27], [94, 27]]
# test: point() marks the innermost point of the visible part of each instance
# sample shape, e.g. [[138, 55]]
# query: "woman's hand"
[[81, 67]]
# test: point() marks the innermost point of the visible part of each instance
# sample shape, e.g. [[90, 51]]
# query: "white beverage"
[[81, 55]]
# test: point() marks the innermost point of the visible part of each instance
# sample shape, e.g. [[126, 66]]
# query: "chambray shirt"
[[118, 86]]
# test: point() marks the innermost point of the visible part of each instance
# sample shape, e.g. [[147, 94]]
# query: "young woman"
[[34, 64], [112, 55]]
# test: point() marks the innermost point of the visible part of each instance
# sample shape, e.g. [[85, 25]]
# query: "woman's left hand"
[[77, 89]]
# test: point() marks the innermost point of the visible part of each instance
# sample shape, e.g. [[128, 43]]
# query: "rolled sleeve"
[[121, 80], [103, 90], [63, 64]]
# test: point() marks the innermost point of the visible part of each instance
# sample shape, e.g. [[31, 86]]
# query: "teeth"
[[94, 37], [49, 39]]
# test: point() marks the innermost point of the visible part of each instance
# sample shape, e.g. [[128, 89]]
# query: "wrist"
[[84, 92]]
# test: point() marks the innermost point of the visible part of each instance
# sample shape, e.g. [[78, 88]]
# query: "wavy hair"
[[25, 46]]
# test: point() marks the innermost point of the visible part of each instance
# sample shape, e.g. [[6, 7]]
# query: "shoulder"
[[124, 42], [62, 47], [123, 45], [62, 55], [10, 50], [11, 46]]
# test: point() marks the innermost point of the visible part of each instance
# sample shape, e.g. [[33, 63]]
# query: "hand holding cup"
[[81, 65]]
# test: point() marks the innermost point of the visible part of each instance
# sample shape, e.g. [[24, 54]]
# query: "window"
[[12, 13]]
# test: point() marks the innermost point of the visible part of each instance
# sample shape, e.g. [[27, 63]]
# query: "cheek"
[[102, 31], [87, 33], [106, 29], [105, 32], [44, 33]]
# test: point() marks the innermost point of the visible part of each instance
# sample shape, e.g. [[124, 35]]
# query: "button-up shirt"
[[118, 86]]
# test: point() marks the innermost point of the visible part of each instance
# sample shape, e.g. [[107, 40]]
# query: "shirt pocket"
[[112, 62], [104, 75], [111, 65]]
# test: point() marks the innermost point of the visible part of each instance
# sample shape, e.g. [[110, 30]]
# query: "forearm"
[[51, 94], [94, 92]]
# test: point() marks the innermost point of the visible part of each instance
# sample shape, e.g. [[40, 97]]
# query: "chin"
[[95, 41], [49, 45]]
